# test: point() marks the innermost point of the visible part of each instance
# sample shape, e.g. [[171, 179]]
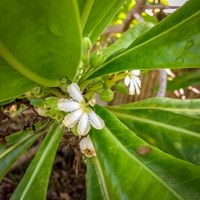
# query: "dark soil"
[[67, 181], [63, 185]]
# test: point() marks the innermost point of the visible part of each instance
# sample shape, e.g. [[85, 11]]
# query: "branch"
[[162, 84], [134, 13], [162, 7]]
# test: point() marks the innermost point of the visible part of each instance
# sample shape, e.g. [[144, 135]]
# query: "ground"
[[63, 185], [67, 181]]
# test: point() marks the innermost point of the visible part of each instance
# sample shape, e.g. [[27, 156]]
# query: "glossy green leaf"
[[176, 46], [39, 40], [12, 84], [171, 125], [126, 39], [100, 15], [184, 80], [16, 145], [35, 181], [93, 182], [129, 168]]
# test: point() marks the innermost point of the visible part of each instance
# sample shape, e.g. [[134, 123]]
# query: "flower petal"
[[127, 80], [138, 81], [87, 147], [95, 120], [132, 88], [136, 87], [68, 105], [135, 72], [83, 125], [74, 91], [71, 119]]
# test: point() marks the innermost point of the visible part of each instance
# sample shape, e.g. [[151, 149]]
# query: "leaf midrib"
[[102, 179], [15, 63], [119, 144], [143, 43], [166, 126], [39, 164], [7, 151], [180, 110]]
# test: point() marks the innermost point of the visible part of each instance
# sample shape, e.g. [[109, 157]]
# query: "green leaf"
[[94, 186], [12, 84], [16, 145], [100, 15], [176, 46], [37, 39], [126, 39], [171, 125], [35, 181], [184, 80], [130, 168]]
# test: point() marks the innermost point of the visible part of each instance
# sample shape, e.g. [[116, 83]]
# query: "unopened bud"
[[107, 95], [96, 59], [85, 49]]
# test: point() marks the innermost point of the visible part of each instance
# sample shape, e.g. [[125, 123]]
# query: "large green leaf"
[[171, 125], [129, 168], [35, 181], [95, 188], [16, 145], [178, 46], [126, 39], [12, 84], [100, 15], [40, 40]]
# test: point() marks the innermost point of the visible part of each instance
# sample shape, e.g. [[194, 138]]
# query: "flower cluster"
[[80, 112], [133, 81]]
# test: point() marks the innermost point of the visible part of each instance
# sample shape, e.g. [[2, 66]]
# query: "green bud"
[[107, 95], [96, 59], [85, 49]]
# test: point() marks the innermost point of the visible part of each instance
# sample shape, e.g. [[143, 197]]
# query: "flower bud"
[[85, 49], [96, 59], [107, 95]]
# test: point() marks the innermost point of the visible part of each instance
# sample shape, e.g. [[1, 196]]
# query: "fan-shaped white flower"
[[87, 147], [133, 81], [80, 112]]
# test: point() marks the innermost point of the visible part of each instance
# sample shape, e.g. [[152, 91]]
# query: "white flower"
[[133, 80], [87, 147], [80, 112]]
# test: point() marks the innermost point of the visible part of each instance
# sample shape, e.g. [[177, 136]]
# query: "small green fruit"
[[107, 95], [96, 59]]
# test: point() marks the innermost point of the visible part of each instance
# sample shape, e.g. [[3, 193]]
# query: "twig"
[[136, 10], [163, 83], [162, 7], [134, 13]]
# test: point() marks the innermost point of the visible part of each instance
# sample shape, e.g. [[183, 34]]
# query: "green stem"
[[86, 12], [20, 67], [57, 92]]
